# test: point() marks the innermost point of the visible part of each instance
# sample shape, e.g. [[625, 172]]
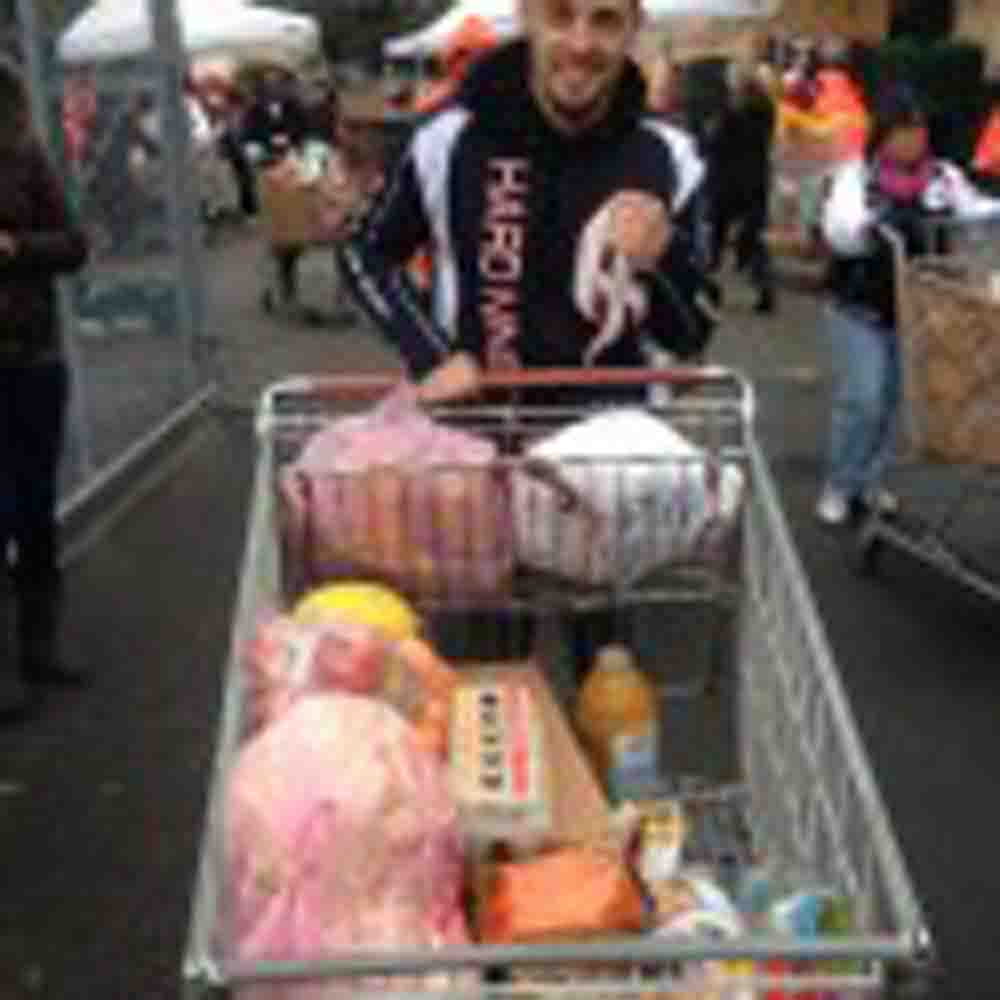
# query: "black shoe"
[[19, 702], [38, 629], [47, 671]]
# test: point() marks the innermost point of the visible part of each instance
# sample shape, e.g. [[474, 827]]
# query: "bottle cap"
[[615, 657]]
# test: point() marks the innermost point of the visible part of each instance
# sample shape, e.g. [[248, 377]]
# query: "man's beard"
[[577, 117]]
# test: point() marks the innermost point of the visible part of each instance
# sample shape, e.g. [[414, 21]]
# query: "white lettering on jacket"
[[501, 258]]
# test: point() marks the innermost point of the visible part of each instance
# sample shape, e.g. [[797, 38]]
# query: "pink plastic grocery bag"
[[395, 495], [339, 834]]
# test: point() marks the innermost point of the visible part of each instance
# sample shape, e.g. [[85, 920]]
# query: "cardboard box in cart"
[[577, 804]]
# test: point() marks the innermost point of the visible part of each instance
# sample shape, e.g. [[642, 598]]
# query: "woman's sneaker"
[[833, 507]]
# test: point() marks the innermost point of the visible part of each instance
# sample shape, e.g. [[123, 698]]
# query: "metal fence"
[[133, 320]]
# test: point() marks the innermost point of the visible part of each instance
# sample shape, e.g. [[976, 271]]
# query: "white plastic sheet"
[[501, 15], [121, 29]]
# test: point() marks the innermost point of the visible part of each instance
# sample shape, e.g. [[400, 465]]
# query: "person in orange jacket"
[[471, 39], [987, 156]]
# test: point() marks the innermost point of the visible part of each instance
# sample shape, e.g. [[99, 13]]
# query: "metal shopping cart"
[[734, 631], [949, 309]]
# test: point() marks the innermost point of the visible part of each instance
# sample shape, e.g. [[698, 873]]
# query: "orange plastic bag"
[[576, 892]]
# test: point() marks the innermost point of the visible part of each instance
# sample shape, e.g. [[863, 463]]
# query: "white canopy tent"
[[501, 15], [120, 29], [658, 9]]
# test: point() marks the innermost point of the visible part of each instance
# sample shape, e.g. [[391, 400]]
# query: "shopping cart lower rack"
[[782, 767]]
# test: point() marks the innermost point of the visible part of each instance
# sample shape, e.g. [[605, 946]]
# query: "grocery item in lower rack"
[[287, 660], [708, 979], [618, 718], [339, 833], [690, 891], [662, 829], [369, 604], [572, 893], [497, 761]]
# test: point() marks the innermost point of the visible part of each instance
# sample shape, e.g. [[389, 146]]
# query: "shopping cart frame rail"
[[811, 783]]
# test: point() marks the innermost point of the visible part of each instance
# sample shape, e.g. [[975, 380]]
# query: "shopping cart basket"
[[948, 305], [797, 783]]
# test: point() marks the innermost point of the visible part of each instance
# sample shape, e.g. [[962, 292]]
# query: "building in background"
[[859, 20]]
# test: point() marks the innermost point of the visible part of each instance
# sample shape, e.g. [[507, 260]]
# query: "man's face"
[[579, 48]]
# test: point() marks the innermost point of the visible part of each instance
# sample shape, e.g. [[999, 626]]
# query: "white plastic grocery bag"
[[645, 497]]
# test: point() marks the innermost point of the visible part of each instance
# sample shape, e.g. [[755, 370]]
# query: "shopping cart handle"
[[360, 386]]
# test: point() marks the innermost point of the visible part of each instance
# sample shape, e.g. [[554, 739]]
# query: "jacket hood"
[[496, 91]]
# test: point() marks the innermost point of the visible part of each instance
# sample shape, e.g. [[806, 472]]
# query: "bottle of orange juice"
[[618, 718]]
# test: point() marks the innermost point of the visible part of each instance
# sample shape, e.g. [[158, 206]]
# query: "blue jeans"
[[867, 385]]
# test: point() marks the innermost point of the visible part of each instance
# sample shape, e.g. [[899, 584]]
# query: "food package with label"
[[571, 893], [662, 832], [646, 497], [288, 659], [574, 803], [498, 768]]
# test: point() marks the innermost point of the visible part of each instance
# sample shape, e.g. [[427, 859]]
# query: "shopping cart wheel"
[[923, 979], [866, 546]]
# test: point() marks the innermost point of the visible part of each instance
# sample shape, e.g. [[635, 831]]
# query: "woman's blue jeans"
[[867, 385]]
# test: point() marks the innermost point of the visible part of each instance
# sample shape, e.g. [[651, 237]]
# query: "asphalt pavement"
[[101, 799]]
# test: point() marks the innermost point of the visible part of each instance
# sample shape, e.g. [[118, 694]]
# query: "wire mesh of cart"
[[760, 743], [948, 303]]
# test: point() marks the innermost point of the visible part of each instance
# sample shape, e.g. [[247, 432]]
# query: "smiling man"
[[551, 202]]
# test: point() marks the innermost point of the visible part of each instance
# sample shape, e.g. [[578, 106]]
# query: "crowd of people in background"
[[234, 127], [792, 98]]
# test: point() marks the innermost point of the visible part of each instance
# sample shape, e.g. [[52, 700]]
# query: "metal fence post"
[[180, 194], [33, 39]]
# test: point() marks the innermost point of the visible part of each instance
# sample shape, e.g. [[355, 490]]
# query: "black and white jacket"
[[515, 213]]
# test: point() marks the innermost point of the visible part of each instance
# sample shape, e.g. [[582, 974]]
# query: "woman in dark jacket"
[[37, 242]]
